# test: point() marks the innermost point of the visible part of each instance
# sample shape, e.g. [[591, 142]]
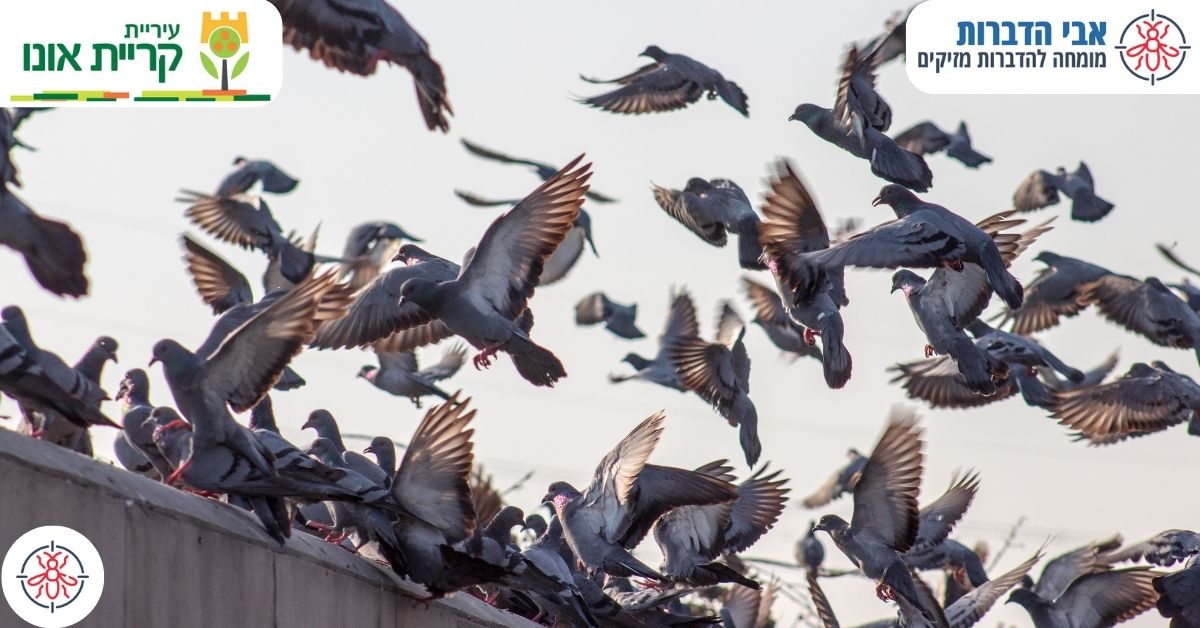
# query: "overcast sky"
[[362, 153]]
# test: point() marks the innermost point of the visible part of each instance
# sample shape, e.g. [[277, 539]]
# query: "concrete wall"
[[176, 560]]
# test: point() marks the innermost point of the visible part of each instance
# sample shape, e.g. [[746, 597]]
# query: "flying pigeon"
[[567, 254], [1148, 308], [399, 375], [840, 483], [1040, 189], [770, 315], [627, 495], [597, 308], [53, 252], [246, 221], [890, 44], [933, 548], [543, 170], [719, 373], [251, 171], [369, 247], [681, 323], [1054, 294], [1097, 599], [672, 82], [886, 518], [710, 209], [793, 227], [482, 305], [926, 138], [355, 36], [1147, 399], [1163, 549]]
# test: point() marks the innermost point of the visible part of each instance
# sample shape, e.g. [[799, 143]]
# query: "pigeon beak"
[[153, 360], [369, 450], [876, 201], [792, 117], [112, 355], [548, 498], [894, 289]]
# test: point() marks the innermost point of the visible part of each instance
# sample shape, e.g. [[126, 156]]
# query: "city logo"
[[52, 577], [142, 53], [1153, 47]]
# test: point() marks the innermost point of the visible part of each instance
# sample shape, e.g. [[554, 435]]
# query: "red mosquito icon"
[[1153, 52], [52, 582]]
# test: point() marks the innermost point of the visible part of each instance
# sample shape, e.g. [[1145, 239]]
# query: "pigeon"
[[1147, 399], [770, 315], [53, 251], [1189, 292], [549, 577], [252, 171], [691, 538], [1017, 349], [840, 483], [384, 451], [938, 382], [886, 518], [369, 518], [1163, 549], [137, 430], [483, 303], [326, 427], [369, 247], [355, 35], [542, 169], [925, 235], [857, 123], [1054, 294], [933, 548], [909, 612], [926, 138], [710, 209], [719, 373], [1179, 595], [377, 314], [1147, 308], [626, 496], [597, 308], [1040, 189], [238, 373], [53, 428], [793, 227], [681, 323], [219, 284], [672, 82], [1097, 599], [246, 221], [172, 436], [398, 373], [809, 551]]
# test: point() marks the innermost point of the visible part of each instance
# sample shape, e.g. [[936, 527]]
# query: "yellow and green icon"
[[224, 37]]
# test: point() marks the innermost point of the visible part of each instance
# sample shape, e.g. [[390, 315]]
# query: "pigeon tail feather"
[[536, 364]]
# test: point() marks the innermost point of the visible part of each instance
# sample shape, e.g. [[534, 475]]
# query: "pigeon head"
[[833, 524], [696, 185], [325, 451], [174, 357], [896, 196], [239, 160], [1025, 596], [420, 291], [367, 372], [907, 280], [536, 523], [321, 421], [12, 314], [808, 113], [108, 346], [134, 387], [168, 419], [636, 361], [654, 52], [380, 444], [502, 524], [1047, 258], [1141, 369], [262, 415], [410, 253], [559, 495]]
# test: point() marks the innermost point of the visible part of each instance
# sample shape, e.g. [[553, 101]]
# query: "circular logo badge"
[[52, 577], [1153, 47]]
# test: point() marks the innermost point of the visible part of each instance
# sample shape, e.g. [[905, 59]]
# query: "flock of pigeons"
[[434, 516]]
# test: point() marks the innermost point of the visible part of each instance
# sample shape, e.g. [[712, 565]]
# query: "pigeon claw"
[[177, 477], [810, 336], [483, 359], [885, 592], [929, 351]]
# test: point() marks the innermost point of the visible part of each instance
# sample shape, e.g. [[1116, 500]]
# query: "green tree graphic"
[[224, 42]]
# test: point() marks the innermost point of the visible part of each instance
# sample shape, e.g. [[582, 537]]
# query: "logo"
[[52, 577], [189, 53], [1153, 47]]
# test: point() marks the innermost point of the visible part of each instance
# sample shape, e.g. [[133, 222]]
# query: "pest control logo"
[[1153, 47], [52, 577], [189, 53]]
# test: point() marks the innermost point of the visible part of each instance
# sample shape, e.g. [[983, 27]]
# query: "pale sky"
[[362, 153]]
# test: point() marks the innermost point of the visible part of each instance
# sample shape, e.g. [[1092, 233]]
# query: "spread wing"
[[488, 153], [858, 106], [700, 214], [885, 499], [242, 219], [938, 519], [923, 138], [432, 481], [760, 502], [219, 283], [1038, 190], [768, 307], [653, 88], [612, 487], [1134, 405], [1136, 305], [970, 608], [1105, 599]]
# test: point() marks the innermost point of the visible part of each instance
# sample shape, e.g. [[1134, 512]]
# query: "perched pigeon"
[[1041, 189], [399, 375], [597, 308], [711, 208], [1163, 549], [369, 518], [1179, 595], [886, 518], [719, 373], [248, 361], [770, 315], [1054, 294], [369, 247], [326, 426], [627, 495], [377, 314], [172, 436], [53, 252], [137, 430], [926, 138], [483, 304], [1147, 399], [25, 380], [355, 35], [384, 451], [1148, 308], [1097, 599], [52, 427], [840, 483], [693, 537], [681, 323], [252, 171], [857, 122], [542, 169], [793, 226], [673, 81]]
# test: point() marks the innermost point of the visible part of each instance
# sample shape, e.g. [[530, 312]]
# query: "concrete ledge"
[[174, 559]]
